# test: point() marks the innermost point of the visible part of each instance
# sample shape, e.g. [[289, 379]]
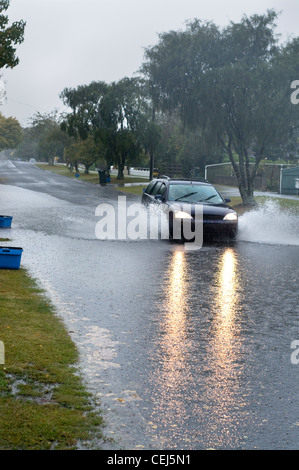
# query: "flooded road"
[[184, 350]]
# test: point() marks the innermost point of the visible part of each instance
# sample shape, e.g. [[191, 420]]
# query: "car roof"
[[200, 181]]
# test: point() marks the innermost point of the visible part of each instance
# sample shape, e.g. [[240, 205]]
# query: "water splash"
[[269, 224]]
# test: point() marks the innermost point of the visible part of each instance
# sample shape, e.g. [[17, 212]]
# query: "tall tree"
[[84, 102], [231, 84], [116, 115], [46, 133], [83, 121], [121, 117], [10, 36]]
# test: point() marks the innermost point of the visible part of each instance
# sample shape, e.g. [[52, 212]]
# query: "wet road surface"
[[185, 350]]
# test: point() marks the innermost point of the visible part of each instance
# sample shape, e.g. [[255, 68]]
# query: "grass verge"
[[90, 178], [43, 402]]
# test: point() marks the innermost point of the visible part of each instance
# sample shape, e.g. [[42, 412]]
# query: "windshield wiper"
[[186, 195], [208, 198]]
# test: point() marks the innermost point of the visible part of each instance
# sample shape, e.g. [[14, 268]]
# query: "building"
[[289, 180]]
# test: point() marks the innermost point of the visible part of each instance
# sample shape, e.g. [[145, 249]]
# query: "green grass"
[[90, 178], [64, 171], [137, 190], [43, 401]]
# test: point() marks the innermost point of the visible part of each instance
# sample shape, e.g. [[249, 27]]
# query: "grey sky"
[[73, 42]]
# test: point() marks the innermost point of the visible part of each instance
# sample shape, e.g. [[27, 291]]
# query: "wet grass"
[[43, 402], [90, 178], [64, 171], [137, 190]]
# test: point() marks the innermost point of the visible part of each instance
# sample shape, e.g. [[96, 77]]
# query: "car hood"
[[211, 209]]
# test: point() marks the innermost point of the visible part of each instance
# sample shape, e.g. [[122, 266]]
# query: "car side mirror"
[[227, 200]]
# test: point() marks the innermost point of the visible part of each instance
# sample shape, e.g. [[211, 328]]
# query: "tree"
[[28, 148], [85, 151], [46, 133], [115, 115], [10, 36], [84, 102], [232, 85], [121, 118], [82, 122], [10, 133], [150, 137]]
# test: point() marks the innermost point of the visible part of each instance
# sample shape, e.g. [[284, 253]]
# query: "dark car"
[[182, 198]]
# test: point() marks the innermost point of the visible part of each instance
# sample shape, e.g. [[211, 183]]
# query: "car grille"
[[210, 217]]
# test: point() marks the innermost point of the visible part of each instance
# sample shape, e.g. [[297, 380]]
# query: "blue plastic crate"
[[10, 257], [5, 221]]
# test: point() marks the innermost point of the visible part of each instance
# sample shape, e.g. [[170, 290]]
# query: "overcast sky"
[[74, 42]]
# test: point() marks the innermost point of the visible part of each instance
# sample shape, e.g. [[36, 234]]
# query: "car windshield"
[[194, 193]]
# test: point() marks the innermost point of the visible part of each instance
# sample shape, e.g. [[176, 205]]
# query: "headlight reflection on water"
[[176, 307], [225, 361], [198, 369], [226, 309], [171, 364]]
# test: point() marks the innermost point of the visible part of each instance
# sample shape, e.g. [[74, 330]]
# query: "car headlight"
[[232, 216], [182, 215]]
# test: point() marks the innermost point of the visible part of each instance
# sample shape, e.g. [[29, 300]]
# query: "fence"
[[142, 172], [267, 179]]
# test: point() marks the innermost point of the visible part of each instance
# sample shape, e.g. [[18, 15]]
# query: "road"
[[184, 350]]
